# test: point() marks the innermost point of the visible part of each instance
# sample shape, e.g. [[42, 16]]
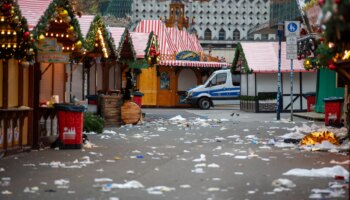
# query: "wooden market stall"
[[126, 55], [16, 80], [182, 65], [259, 78], [58, 42]]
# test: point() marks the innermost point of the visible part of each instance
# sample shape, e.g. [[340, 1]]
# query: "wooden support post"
[[20, 85], [5, 80], [36, 108], [30, 103]]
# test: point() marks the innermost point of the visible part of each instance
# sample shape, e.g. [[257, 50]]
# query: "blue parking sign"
[[292, 28]]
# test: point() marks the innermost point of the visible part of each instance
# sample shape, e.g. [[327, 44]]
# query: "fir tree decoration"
[[16, 41]]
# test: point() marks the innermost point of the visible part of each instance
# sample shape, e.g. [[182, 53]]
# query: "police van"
[[222, 87]]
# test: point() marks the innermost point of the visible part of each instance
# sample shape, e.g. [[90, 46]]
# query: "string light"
[[346, 55]]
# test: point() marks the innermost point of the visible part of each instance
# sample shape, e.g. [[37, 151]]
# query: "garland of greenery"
[[50, 13], [90, 39], [240, 54], [121, 42], [149, 42], [13, 17], [335, 39], [260, 97], [139, 63]]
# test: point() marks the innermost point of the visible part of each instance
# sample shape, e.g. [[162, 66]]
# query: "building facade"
[[218, 23]]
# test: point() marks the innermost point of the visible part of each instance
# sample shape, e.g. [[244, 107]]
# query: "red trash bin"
[[310, 101], [70, 126], [333, 111], [138, 98]]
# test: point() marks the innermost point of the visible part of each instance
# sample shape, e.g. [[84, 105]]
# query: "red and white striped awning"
[[33, 10], [166, 46], [185, 63]]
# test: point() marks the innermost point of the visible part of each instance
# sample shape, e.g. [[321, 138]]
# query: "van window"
[[219, 79], [236, 80]]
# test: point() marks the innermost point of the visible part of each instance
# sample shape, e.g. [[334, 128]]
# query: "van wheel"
[[204, 103]]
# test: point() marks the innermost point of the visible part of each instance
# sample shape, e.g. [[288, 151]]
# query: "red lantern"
[[299, 57], [321, 2], [6, 7], [337, 1], [302, 56], [332, 66], [26, 35]]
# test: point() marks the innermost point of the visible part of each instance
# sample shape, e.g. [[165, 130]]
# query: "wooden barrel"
[[110, 110], [131, 112]]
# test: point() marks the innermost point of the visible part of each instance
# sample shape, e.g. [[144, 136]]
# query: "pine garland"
[[12, 16], [98, 23], [239, 53], [125, 35], [50, 14], [335, 38]]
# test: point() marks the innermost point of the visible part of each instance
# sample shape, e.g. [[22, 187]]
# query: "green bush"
[[93, 123]]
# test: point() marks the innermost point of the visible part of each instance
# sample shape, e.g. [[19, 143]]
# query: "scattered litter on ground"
[[130, 172], [158, 190], [345, 162], [99, 180], [241, 157], [62, 183], [198, 171], [128, 185], [293, 135], [201, 159], [31, 189], [113, 198], [282, 182], [227, 154], [322, 172], [213, 165], [2, 169], [99, 170], [109, 132], [185, 186], [239, 173], [177, 118], [327, 193], [213, 189], [6, 192]]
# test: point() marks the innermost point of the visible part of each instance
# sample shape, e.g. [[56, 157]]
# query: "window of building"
[[264, 36], [207, 34], [236, 35], [222, 34], [164, 81]]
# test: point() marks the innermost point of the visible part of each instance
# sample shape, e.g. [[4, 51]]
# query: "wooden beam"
[[344, 73], [5, 81], [30, 103], [53, 79], [36, 114], [20, 85]]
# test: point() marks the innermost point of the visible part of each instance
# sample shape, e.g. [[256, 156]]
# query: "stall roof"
[[140, 41], [119, 34], [85, 23], [166, 46], [184, 63], [262, 57], [33, 10]]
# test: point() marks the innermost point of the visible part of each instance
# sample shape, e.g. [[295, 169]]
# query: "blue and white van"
[[222, 87]]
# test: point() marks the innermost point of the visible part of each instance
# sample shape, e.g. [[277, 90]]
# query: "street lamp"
[[280, 34]]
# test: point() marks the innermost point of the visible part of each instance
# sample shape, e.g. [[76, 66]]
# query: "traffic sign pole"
[[292, 32], [291, 89]]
